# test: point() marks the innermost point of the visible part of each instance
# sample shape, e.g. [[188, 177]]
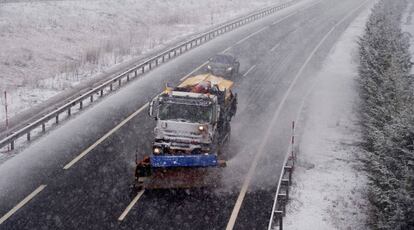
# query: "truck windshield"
[[190, 113]]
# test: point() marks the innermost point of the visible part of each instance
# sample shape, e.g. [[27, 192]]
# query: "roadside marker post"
[[293, 156], [7, 116]]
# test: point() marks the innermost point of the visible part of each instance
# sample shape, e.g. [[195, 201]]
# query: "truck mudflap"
[[199, 160]]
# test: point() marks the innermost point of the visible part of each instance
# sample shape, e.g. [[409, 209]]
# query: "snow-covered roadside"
[[329, 183], [50, 46]]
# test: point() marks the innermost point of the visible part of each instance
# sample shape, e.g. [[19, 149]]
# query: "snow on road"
[[329, 182], [50, 46]]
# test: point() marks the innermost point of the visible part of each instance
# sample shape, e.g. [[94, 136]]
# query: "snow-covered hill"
[[49, 46]]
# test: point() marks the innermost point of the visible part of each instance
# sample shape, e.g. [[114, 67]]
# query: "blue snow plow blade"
[[184, 161]]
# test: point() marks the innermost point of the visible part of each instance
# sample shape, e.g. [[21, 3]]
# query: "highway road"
[[78, 175]]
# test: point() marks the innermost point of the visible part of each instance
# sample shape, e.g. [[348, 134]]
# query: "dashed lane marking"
[[22, 203], [275, 47], [100, 140], [131, 205], [249, 70], [284, 18], [227, 49], [196, 69], [251, 35]]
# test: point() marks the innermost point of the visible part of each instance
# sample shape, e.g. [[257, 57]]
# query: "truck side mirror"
[[152, 112], [150, 109], [217, 115]]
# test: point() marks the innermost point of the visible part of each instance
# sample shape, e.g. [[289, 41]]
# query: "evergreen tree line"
[[387, 116]]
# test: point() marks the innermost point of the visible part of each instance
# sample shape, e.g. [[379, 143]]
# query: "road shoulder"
[[329, 183]]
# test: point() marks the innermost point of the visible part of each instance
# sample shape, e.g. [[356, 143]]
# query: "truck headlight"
[[209, 67], [202, 128], [157, 150], [229, 69]]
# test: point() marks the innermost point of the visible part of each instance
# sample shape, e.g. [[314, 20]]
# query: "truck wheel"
[[229, 134], [236, 71]]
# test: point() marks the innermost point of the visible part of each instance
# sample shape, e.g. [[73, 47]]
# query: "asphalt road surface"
[[43, 187]]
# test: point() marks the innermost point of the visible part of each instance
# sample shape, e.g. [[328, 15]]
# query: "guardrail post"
[[287, 193], [282, 200], [81, 105], [142, 68], [43, 127], [119, 81], [28, 136], [57, 118], [289, 169], [150, 65], [163, 58], [280, 219], [12, 145], [69, 111], [156, 62], [92, 98], [110, 87], [101, 92]]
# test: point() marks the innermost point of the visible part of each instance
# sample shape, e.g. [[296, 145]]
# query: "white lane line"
[[133, 202], [275, 47], [228, 48], [240, 198], [22, 203], [86, 151], [196, 69], [249, 70], [284, 18], [251, 35], [294, 13]]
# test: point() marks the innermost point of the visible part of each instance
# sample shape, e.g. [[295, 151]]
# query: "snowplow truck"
[[192, 124]]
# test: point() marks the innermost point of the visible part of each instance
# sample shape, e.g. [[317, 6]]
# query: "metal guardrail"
[[282, 191], [141, 68]]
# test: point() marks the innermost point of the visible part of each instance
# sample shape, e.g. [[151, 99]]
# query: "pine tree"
[[387, 115]]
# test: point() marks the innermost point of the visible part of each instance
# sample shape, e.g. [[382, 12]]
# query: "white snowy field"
[[329, 183], [50, 46]]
